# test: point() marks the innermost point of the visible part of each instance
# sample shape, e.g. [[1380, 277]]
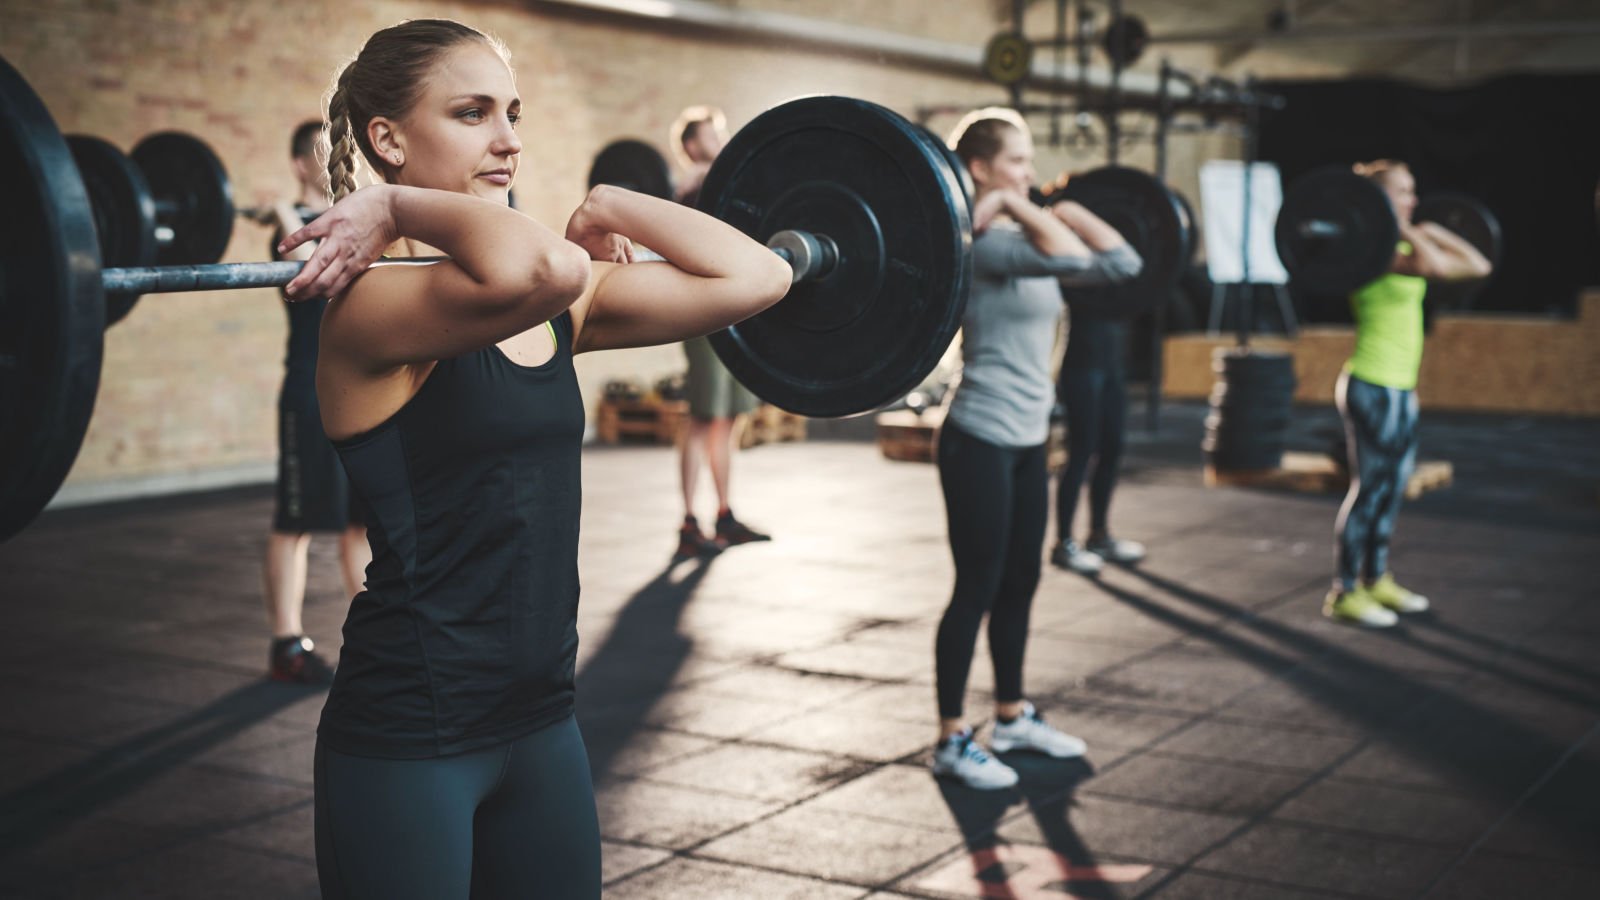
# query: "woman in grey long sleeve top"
[[992, 446]]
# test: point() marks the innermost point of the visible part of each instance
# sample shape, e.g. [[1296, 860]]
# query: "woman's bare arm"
[[506, 274], [714, 276]]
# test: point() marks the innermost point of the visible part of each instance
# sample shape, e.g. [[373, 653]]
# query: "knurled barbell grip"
[[216, 276]]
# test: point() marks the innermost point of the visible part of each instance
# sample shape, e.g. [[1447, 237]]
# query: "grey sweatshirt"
[[1009, 330]]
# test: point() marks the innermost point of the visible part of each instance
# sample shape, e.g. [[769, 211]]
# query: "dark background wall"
[[1528, 146]]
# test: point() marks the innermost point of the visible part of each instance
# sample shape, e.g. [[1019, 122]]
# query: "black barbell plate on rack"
[[193, 196], [868, 179], [124, 212], [1151, 218], [635, 165], [1336, 231], [52, 316]]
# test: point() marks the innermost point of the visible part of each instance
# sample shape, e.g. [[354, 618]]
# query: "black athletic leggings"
[[1380, 425], [513, 821], [997, 503], [1097, 410]]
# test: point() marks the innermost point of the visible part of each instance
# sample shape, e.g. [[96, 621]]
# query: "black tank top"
[[305, 322], [466, 636]]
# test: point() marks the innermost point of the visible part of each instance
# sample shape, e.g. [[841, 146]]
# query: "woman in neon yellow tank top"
[[1377, 397]]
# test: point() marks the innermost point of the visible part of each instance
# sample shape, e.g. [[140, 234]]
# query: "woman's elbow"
[[774, 281], [560, 273]]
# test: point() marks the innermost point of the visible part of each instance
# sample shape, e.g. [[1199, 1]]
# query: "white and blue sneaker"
[[959, 756], [1116, 550], [1028, 731]]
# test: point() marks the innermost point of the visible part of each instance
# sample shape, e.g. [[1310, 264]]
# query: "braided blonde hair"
[[386, 79]]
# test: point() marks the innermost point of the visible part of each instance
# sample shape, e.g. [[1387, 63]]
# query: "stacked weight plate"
[[1250, 408]]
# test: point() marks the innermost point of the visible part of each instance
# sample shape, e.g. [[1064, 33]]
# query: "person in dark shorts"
[[448, 760], [716, 398], [312, 493], [1376, 395], [991, 451]]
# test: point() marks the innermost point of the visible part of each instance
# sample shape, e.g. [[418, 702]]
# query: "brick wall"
[[190, 381]]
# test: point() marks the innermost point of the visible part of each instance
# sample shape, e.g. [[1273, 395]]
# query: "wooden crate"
[[661, 421], [768, 425], [1316, 473], [906, 436]]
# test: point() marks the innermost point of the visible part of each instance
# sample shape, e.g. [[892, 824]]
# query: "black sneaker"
[[294, 659], [731, 531], [692, 542]]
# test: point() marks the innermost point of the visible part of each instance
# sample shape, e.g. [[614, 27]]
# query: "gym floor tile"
[[1197, 886], [620, 860], [863, 737], [1257, 744], [765, 773], [1007, 870], [1451, 820], [708, 880], [1313, 858], [1493, 876], [1192, 784], [668, 816], [198, 870], [289, 833], [807, 840], [1083, 825]]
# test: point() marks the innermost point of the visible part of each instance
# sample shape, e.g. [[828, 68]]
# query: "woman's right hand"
[[988, 207], [599, 241], [354, 233]]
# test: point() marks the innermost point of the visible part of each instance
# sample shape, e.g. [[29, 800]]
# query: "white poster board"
[[1222, 199]]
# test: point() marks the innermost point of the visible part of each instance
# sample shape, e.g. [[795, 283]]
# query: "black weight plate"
[[192, 194], [878, 323], [1191, 228], [52, 317], [634, 165], [1467, 217], [1007, 58], [1125, 39], [1150, 217], [1360, 243], [124, 212], [954, 161]]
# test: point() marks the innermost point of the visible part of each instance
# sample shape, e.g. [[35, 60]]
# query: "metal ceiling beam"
[[1364, 34], [871, 43]]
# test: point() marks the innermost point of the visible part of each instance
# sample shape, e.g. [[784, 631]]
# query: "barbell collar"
[[812, 256]]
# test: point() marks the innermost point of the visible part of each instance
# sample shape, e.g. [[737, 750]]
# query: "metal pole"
[[1247, 319], [1158, 320], [1114, 95]]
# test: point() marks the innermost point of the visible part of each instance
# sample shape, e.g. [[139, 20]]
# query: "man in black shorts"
[[313, 495], [716, 398]]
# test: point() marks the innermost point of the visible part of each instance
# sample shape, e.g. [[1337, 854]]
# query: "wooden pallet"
[[906, 436], [1315, 473], [770, 425], [652, 419]]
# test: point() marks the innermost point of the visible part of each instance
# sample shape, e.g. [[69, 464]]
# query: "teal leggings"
[[514, 821]]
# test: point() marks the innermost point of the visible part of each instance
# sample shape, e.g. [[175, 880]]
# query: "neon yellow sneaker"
[[1389, 592], [1357, 607]]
